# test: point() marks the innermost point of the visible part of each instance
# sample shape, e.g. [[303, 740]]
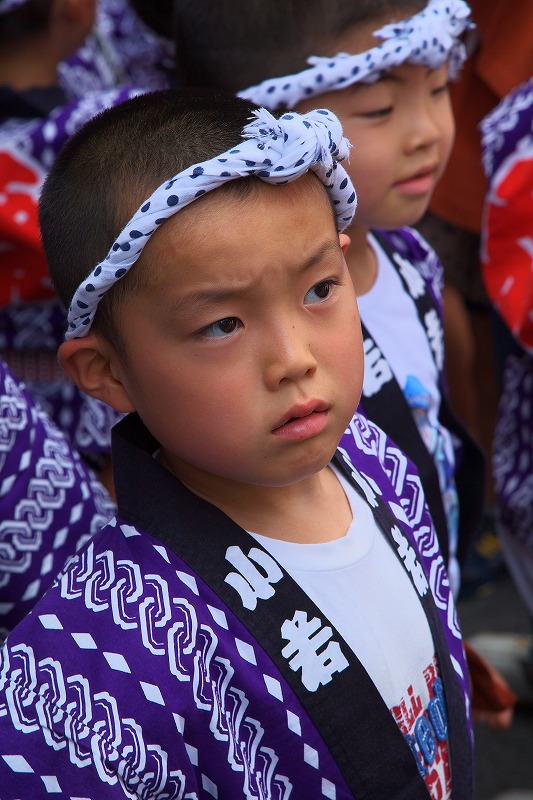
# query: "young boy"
[[383, 69], [268, 616]]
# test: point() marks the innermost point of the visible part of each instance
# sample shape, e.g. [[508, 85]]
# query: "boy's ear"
[[344, 241], [91, 363]]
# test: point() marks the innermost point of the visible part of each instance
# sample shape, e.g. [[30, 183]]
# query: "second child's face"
[[245, 353], [401, 129]]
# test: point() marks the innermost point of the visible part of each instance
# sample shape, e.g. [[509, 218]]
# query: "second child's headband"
[[275, 150], [429, 38]]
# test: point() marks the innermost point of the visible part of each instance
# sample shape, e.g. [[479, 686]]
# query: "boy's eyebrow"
[[395, 78], [199, 298]]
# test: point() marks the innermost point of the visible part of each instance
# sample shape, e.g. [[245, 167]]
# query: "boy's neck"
[[312, 511], [361, 260]]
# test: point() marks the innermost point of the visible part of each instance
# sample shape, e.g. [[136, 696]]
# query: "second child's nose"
[[423, 129]]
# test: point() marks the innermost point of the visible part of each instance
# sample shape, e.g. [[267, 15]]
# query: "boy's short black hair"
[[25, 20], [234, 44], [111, 165]]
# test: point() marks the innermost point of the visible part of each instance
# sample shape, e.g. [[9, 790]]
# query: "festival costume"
[[171, 658], [402, 408], [120, 50], [50, 502], [221, 658], [507, 253], [34, 125]]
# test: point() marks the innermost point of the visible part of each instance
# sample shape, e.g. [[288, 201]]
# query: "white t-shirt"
[[363, 590], [390, 315]]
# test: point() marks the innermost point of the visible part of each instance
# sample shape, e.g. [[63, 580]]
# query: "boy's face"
[[245, 353], [401, 129]]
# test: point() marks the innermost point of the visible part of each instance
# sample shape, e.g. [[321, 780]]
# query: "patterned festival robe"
[[174, 658], [120, 50], [507, 263], [383, 401], [50, 502]]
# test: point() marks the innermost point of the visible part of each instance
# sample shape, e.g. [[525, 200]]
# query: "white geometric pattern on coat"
[[169, 628]]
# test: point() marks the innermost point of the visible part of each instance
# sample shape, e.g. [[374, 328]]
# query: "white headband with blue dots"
[[275, 150], [9, 5], [429, 38]]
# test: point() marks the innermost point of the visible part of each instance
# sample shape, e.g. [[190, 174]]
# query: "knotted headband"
[[429, 38], [9, 5], [275, 150]]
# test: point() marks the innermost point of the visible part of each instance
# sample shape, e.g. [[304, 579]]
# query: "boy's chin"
[[409, 219]]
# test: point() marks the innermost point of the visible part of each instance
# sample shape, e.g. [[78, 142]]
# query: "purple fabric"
[[512, 460], [413, 247], [50, 502], [504, 132], [399, 484], [132, 679], [505, 126], [40, 140], [153, 680], [122, 49]]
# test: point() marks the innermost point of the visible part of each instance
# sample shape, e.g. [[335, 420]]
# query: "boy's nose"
[[289, 356], [423, 129]]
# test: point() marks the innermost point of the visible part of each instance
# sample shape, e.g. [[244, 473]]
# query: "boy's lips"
[[302, 421], [419, 183]]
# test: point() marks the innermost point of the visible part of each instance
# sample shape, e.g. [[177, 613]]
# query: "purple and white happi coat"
[[421, 277], [50, 502], [133, 678]]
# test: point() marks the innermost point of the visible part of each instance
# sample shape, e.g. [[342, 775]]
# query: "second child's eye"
[[442, 89], [377, 113], [221, 328], [320, 292]]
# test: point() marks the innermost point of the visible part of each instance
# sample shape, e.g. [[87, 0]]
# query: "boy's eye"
[[221, 328], [377, 113], [321, 291], [440, 89]]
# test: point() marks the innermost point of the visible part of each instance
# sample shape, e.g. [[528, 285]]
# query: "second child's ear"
[[344, 241], [91, 363]]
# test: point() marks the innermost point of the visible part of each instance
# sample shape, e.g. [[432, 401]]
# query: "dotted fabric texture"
[[429, 38]]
